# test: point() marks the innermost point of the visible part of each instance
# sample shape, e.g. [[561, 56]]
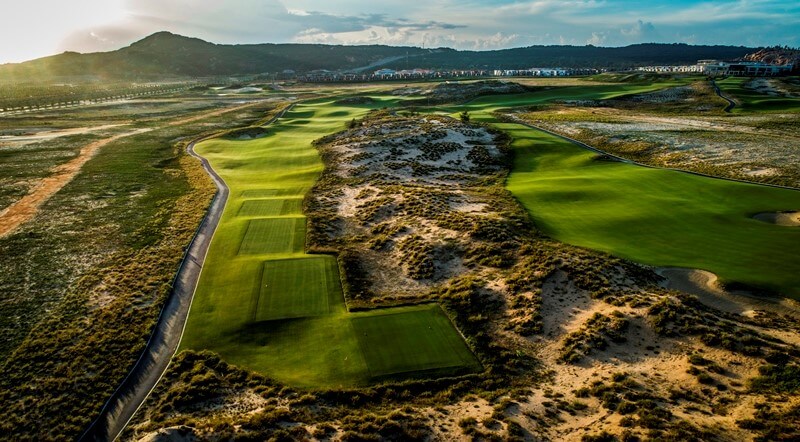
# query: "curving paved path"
[[731, 103], [166, 337], [168, 331]]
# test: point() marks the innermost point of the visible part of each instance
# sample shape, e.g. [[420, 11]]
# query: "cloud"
[[38, 27], [329, 23], [597, 39], [639, 30]]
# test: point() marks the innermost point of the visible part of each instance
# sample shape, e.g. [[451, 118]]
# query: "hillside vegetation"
[[165, 55]]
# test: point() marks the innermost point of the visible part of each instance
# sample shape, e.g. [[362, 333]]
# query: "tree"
[[464, 116]]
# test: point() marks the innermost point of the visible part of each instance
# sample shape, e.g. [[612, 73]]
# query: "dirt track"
[[26, 208]]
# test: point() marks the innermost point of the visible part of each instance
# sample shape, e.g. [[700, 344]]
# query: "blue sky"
[[35, 28]]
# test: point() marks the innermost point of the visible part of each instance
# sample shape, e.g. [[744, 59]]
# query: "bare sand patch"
[[171, 434], [786, 219], [764, 171], [30, 136], [705, 285]]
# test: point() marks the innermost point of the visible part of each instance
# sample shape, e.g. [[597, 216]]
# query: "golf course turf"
[[263, 304], [655, 216], [751, 101], [648, 215]]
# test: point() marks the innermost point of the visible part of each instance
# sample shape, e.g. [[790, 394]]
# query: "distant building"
[[287, 74], [757, 69], [385, 73], [542, 72], [716, 68]]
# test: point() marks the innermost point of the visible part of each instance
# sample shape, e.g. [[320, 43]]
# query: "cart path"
[[731, 103], [168, 331]]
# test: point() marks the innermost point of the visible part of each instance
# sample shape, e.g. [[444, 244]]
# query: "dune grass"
[[263, 304]]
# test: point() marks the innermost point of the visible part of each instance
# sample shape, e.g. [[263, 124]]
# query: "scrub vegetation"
[[389, 270], [83, 282], [402, 199]]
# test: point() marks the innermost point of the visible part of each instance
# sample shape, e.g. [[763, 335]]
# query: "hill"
[[580, 56], [777, 55], [166, 55]]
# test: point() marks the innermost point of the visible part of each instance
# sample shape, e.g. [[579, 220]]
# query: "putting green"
[[298, 287], [403, 340], [263, 304]]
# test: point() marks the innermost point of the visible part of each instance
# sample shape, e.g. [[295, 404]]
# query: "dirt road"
[[26, 208]]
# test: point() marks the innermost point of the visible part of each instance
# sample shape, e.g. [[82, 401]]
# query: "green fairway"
[[404, 340], [749, 100], [263, 304], [270, 207], [655, 216], [273, 235], [298, 287]]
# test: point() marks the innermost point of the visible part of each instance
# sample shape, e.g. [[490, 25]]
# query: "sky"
[[35, 28]]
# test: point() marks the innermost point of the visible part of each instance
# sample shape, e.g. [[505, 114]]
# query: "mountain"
[[581, 56], [166, 55]]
